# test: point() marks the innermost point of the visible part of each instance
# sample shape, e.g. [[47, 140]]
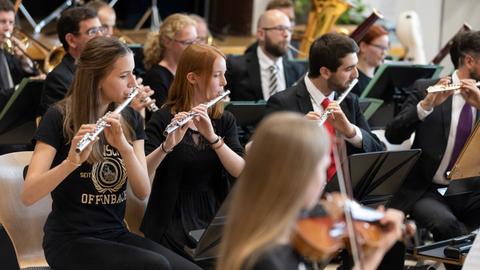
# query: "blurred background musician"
[[442, 122], [14, 64], [260, 73], [373, 48], [203, 33], [105, 13], [75, 28], [162, 52]]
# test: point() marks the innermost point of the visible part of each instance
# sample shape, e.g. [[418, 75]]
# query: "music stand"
[[247, 114], [22, 105], [377, 176], [368, 106], [208, 239], [390, 84]]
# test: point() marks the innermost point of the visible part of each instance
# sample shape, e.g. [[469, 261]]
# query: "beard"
[[277, 50], [474, 74], [337, 86]]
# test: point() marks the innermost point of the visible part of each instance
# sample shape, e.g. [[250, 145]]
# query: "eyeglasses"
[[94, 31], [383, 48], [186, 42], [279, 28]]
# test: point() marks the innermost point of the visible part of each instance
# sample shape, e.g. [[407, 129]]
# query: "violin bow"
[[344, 183]]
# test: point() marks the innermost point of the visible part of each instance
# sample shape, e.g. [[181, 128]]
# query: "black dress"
[[190, 183], [159, 79], [281, 257]]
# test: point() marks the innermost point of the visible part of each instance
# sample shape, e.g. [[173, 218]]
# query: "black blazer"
[[243, 76], [297, 99], [57, 83], [431, 135], [18, 73]]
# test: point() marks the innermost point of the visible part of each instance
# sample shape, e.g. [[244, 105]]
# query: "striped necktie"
[[272, 82]]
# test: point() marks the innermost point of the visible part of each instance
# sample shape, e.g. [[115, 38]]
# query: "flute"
[[102, 124], [448, 87], [328, 112], [178, 123]]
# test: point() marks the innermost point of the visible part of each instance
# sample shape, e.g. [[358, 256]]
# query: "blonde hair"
[[81, 104], [269, 194], [199, 59], [153, 49]]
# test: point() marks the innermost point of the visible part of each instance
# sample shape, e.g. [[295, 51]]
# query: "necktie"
[[272, 82], [5, 79], [331, 169], [464, 129]]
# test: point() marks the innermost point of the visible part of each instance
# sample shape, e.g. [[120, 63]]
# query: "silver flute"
[[102, 123], [448, 87], [328, 112], [178, 123]]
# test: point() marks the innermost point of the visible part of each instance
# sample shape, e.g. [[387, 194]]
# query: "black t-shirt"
[[159, 79], [279, 258], [91, 200], [363, 81]]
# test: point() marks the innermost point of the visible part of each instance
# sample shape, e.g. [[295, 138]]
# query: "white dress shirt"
[[457, 104], [316, 97], [265, 63]]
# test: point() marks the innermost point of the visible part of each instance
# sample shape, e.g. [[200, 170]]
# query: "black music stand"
[[208, 240], [390, 84], [377, 176], [248, 114]]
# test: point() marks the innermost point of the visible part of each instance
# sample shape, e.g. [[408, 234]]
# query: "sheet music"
[[472, 262]]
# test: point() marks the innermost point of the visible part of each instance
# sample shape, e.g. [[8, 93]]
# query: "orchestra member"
[[373, 49], [163, 50], [15, 64], [285, 173], [190, 166], [442, 122], [85, 229]]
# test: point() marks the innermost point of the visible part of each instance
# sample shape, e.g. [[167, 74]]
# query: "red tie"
[[331, 169]]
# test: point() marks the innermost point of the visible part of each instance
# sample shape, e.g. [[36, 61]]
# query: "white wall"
[[440, 19]]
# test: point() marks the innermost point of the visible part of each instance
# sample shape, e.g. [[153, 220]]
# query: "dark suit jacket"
[[57, 83], [297, 99], [243, 76], [431, 135]]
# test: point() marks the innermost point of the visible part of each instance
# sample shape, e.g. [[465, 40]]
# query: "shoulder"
[[158, 72]]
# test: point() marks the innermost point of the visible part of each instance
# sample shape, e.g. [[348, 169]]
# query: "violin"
[[322, 232]]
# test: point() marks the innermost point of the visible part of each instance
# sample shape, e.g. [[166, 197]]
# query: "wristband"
[[164, 150]]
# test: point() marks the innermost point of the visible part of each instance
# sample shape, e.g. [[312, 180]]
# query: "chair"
[[135, 210], [24, 225]]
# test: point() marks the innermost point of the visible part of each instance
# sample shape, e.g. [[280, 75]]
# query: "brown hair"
[[274, 4], [199, 59], [270, 192], [153, 49], [80, 106]]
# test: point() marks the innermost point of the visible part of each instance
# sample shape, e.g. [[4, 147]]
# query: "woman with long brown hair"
[[189, 166], [85, 229], [285, 172]]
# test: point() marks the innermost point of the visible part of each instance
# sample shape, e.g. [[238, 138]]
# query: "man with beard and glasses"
[[442, 122], [260, 73]]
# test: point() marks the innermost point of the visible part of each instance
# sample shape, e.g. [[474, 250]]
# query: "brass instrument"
[[448, 87], [174, 125], [327, 113], [322, 17], [102, 124], [53, 58]]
